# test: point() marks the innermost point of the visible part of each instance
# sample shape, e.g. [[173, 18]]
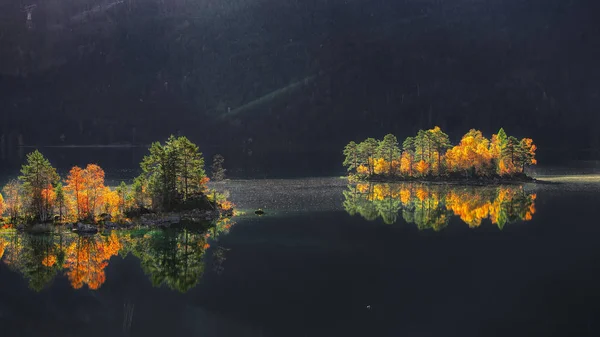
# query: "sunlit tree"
[[172, 172], [366, 152], [441, 143], [388, 150], [76, 187], [351, 157], [37, 175], [1, 206], [12, 199], [61, 201]]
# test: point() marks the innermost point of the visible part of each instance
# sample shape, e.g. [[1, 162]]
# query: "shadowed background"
[[278, 87]]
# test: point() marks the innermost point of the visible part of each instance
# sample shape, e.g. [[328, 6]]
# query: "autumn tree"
[[93, 178], [1, 206], [408, 156], [218, 172], [389, 150], [526, 153], [471, 155], [76, 186], [37, 176]]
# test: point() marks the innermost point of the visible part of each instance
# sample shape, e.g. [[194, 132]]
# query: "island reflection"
[[431, 206], [169, 257]]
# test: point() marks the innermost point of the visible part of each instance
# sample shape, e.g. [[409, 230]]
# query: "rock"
[[86, 228], [105, 217], [259, 212], [111, 225]]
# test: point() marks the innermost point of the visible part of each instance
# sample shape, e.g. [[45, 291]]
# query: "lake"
[[327, 259]]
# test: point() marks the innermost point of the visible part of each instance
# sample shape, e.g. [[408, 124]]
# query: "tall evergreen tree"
[[367, 150], [389, 150], [440, 142], [351, 160], [172, 172], [60, 200], [218, 171], [37, 174]]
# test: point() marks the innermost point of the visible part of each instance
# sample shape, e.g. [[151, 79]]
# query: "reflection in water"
[[431, 206], [171, 257]]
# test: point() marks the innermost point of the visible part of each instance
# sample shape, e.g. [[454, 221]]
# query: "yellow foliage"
[[422, 167]]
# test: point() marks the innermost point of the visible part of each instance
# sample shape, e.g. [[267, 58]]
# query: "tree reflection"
[[170, 257], [431, 206]]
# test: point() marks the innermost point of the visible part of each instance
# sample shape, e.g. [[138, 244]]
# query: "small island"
[[429, 156], [171, 189]]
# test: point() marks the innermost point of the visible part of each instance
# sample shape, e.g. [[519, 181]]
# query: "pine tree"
[[60, 200], [351, 160], [37, 174], [388, 149], [122, 191], [218, 172], [441, 142], [367, 150], [173, 172]]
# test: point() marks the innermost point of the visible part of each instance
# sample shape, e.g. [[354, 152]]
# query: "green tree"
[[38, 174], [440, 142], [389, 150], [366, 151], [60, 200], [190, 165], [351, 161], [123, 192], [218, 172], [138, 189], [423, 147], [172, 172], [510, 152]]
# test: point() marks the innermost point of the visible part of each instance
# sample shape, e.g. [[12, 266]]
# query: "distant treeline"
[[172, 178], [430, 154]]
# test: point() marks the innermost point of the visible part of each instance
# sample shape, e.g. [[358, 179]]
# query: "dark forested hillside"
[[288, 80]]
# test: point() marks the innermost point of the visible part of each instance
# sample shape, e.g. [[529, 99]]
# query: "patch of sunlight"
[[584, 178]]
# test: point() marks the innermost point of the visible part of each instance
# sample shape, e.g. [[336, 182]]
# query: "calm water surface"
[[327, 259]]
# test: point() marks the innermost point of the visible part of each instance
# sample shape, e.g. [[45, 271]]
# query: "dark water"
[[502, 261]]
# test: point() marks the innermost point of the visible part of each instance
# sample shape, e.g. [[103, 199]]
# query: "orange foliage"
[[88, 196], [472, 152], [406, 164], [1, 205], [226, 205], [75, 185], [3, 244], [49, 260], [86, 259], [422, 167]]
